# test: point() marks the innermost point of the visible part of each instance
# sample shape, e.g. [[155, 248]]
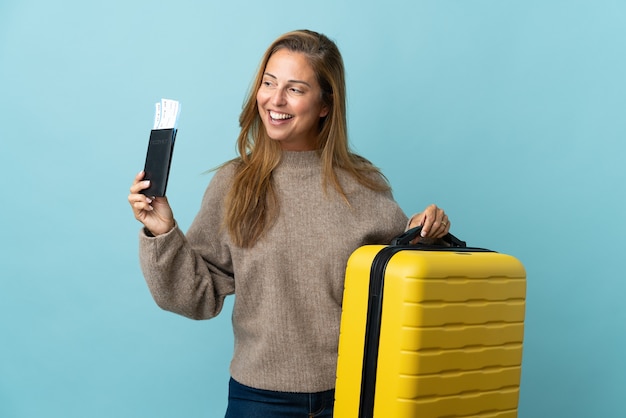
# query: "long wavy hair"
[[252, 204]]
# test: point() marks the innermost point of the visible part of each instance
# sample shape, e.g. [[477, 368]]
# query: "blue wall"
[[509, 114]]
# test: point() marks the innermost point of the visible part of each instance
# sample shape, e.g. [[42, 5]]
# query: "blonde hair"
[[251, 204]]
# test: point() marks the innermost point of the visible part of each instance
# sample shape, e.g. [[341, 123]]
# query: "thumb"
[[416, 220]]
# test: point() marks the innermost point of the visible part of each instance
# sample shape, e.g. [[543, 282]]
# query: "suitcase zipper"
[[372, 333]]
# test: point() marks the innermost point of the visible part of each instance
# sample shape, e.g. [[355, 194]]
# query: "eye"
[[295, 90]]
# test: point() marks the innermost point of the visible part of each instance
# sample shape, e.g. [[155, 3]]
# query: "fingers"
[[443, 228], [434, 222], [138, 201], [139, 183]]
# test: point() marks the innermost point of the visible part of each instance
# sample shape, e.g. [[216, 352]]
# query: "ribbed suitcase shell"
[[450, 340]]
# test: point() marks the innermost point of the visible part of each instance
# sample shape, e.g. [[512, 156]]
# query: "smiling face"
[[290, 101]]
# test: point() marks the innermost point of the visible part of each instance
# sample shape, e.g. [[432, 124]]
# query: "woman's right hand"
[[154, 213]]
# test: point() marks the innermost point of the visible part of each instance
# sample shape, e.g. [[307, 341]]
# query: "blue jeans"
[[247, 402]]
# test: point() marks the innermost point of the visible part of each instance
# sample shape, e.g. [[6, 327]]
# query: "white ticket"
[[166, 116]]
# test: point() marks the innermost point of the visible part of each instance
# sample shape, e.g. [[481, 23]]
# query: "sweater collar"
[[298, 159]]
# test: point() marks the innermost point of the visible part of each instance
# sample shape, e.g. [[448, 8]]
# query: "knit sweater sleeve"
[[192, 274]]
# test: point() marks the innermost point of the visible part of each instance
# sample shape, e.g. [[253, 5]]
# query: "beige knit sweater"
[[288, 287]]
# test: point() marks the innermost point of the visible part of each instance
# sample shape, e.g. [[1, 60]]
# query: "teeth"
[[280, 116]]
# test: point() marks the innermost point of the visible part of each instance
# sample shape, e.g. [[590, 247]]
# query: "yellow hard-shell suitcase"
[[430, 332]]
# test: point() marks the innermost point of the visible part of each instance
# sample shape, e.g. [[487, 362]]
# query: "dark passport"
[[158, 160]]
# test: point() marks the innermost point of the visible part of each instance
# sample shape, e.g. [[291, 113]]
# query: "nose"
[[278, 97]]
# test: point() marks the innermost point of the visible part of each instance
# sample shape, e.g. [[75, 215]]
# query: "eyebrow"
[[291, 81]]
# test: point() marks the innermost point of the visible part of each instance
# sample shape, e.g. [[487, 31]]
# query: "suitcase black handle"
[[411, 234]]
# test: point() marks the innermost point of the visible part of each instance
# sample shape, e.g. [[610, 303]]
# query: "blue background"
[[509, 114]]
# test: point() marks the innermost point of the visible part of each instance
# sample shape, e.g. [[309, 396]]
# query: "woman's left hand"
[[433, 220]]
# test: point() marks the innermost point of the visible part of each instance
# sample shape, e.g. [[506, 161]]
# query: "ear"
[[326, 107]]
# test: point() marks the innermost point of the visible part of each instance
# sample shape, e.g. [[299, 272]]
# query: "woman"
[[275, 228]]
